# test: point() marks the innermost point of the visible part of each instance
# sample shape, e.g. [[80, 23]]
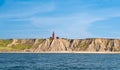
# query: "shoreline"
[[79, 52]]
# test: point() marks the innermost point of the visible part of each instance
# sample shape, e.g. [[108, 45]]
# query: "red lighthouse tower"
[[53, 36]]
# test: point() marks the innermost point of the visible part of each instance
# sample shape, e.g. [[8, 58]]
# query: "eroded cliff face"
[[92, 45], [53, 45]]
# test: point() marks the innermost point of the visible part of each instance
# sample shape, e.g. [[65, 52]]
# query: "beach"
[[79, 52]]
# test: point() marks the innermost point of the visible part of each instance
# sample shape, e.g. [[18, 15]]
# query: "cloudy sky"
[[67, 18]]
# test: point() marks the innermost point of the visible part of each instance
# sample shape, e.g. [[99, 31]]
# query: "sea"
[[59, 61]]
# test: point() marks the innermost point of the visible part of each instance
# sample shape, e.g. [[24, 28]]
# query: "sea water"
[[59, 61]]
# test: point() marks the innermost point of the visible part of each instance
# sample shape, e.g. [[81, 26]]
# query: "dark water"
[[28, 61]]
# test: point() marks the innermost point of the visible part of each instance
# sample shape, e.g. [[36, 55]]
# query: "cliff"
[[38, 45]]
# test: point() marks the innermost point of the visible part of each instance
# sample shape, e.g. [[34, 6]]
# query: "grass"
[[6, 49], [20, 47], [4, 43]]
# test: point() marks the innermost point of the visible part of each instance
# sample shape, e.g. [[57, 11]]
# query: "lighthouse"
[[53, 36]]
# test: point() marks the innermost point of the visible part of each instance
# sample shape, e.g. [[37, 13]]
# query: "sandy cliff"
[[91, 45]]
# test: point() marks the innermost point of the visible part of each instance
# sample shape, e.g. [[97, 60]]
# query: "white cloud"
[[72, 26], [76, 25]]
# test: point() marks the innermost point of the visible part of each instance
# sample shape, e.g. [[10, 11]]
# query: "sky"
[[67, 18]]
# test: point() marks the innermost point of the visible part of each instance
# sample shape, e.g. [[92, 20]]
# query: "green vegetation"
[[5, 48], [20, 47], [4, 43]]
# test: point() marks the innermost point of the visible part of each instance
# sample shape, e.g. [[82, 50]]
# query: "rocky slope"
[[38, 45]]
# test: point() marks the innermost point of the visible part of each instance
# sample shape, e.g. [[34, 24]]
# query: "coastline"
[[69, 52]]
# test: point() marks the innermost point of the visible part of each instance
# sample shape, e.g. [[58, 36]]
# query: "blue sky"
[[68, 18]]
